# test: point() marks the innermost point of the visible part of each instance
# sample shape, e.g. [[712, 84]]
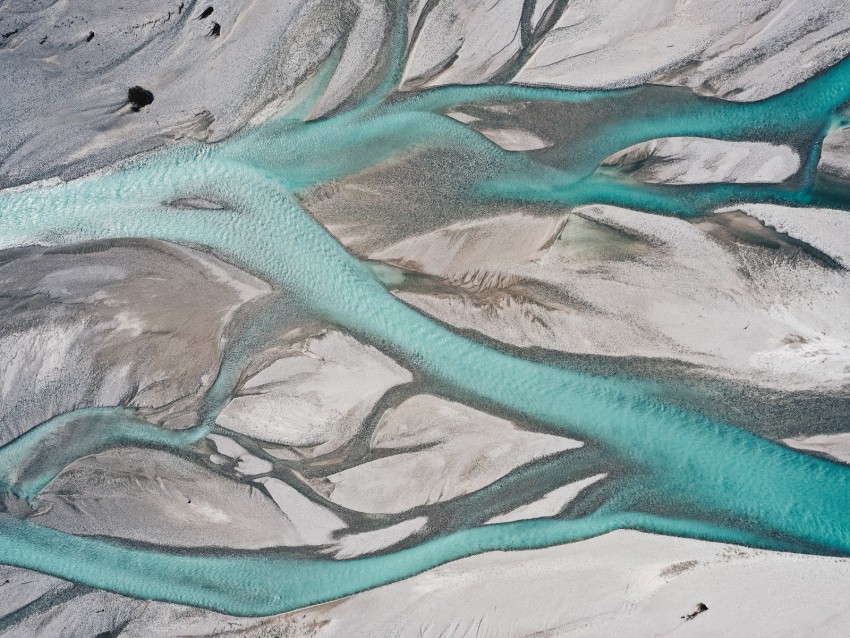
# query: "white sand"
[[454, 450], [550, 504], [314, 524], [141, 324], [463, 42], [317, 397], [835, 445], [835, 155], [824, 229], [246, 463], [627, 283], [155, 497], [739, 51], [354, 545], [697, 160]]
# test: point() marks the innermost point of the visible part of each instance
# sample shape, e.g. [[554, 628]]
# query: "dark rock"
[[90, 36], [139, 97], [216, 30], [701, 607], [206, 13]]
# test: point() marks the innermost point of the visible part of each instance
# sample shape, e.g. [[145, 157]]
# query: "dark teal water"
[[690, 475]]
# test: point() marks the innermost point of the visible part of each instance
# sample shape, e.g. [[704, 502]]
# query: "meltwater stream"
[[715, 481]]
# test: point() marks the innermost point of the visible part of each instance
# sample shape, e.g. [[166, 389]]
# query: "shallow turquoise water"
[[714, 480]]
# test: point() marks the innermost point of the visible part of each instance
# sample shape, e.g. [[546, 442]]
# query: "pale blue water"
[[689, 475]]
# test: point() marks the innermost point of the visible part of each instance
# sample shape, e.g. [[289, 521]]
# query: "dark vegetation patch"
[[139, 98]]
